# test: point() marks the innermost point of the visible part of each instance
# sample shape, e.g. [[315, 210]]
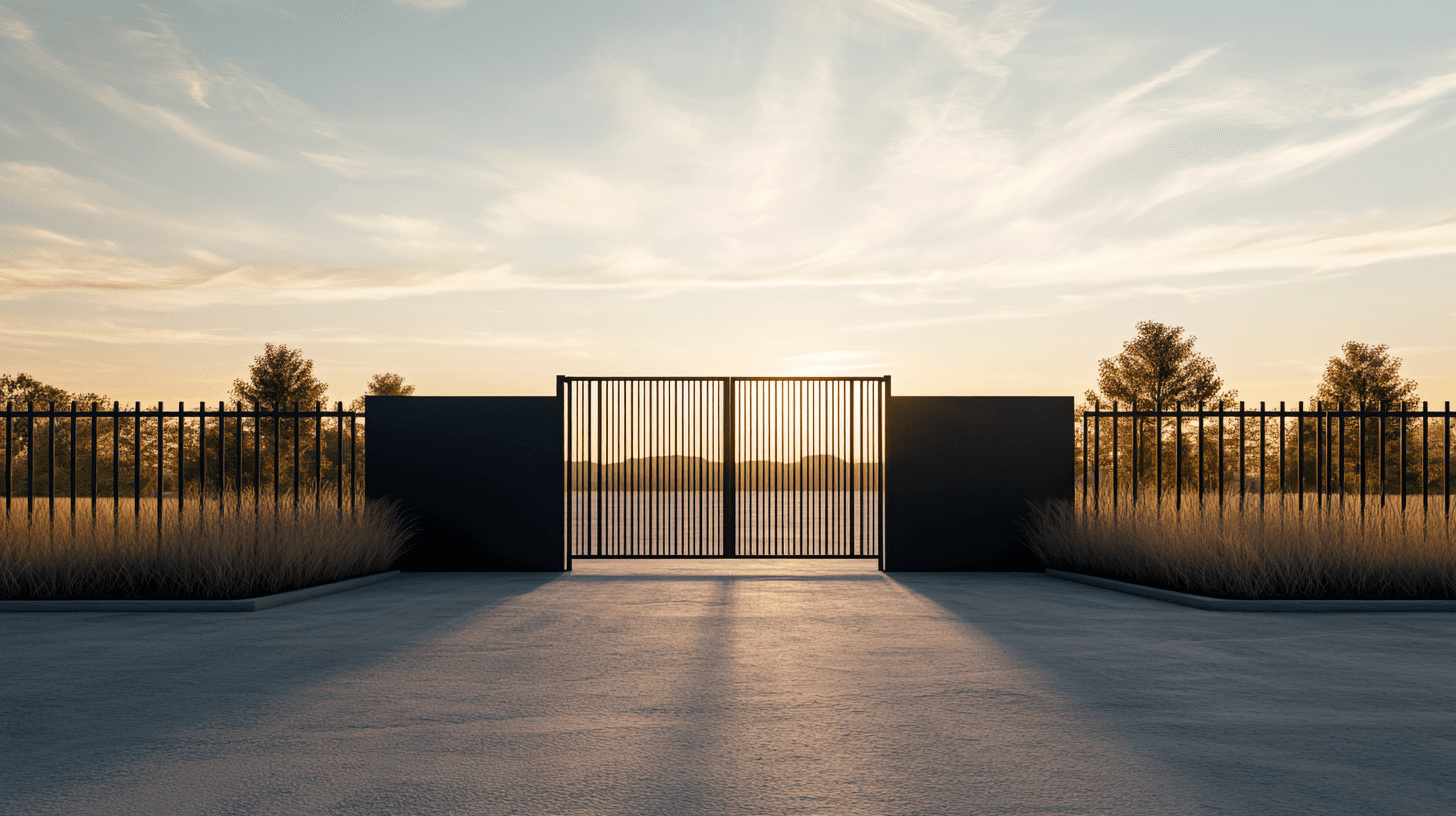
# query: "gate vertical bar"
[[730, 480], [601, 485], [853, 542]]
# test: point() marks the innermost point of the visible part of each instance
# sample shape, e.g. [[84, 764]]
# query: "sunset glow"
[[975, 198]]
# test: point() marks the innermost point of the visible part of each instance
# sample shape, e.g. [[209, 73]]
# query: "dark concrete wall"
[[483, 476], [959, 474]]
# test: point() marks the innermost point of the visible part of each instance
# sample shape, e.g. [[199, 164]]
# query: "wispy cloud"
[[978, 44], [431, 5], [155, 116], [1426, 90], [1264, 167], [913, 188]]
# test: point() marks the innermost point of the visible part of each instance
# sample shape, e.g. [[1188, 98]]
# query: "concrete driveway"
[[772, 687]]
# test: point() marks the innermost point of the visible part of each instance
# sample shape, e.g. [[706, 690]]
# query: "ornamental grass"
[[1281, 552], [203, 550]]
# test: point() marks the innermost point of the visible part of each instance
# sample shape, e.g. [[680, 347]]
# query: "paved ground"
[[724, 688]]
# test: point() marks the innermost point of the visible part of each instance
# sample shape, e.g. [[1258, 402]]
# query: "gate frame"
[[729, 463]]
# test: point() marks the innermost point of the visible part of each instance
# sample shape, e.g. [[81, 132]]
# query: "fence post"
[[1114, 459], [1299, 453], [1137, 473], [563, 401], [1096, 458], [1178, 455]]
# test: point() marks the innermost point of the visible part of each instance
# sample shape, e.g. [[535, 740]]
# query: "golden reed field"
[[205, 551], [1279, 553]]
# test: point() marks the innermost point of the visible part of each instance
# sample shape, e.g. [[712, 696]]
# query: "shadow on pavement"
[[1278, 712], [81, 692]]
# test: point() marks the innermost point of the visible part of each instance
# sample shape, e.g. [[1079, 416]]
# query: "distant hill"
[[674, 473]]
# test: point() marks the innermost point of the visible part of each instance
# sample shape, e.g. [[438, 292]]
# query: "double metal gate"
[[700, 467]]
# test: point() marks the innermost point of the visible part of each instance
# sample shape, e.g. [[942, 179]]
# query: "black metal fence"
[[1324, 456], [661, 467], [69, 457]]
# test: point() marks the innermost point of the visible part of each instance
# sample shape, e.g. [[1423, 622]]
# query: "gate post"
[[480, 476], [962, 472], [730, 479]]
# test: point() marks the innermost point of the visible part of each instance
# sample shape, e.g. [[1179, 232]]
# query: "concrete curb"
[[1230, 605], [240, 605]]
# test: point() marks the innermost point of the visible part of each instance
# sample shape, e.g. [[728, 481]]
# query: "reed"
[[204, 550], [1280, 552]]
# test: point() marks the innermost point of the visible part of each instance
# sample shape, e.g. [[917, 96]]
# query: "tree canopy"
[[22, 388], [280, 376], [1364, 373], [1158, 367], [383, 385]]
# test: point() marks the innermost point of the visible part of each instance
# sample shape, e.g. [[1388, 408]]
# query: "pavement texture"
[[770, 687]]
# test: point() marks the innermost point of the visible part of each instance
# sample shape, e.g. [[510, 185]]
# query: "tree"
[[23, 388], [280, 376], [1158, 367], [1364, 374], [383, 385]]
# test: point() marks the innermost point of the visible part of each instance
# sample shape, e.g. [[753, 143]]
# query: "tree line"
[[126, 451], [1159, 368]]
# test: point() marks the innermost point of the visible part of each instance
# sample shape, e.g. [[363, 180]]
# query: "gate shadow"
[[84, 692]]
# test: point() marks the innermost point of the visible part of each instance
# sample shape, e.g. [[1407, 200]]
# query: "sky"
[[975, 198]]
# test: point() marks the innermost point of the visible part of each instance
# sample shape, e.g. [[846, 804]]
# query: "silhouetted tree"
[[383, 385], [1158, 367], [280, 376], [22, 389], [1364, 374]]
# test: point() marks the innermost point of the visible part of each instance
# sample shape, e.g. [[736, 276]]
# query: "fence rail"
[[1325, 455], [201, 454]]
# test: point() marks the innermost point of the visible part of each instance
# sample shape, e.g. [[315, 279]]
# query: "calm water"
[[691, 523]]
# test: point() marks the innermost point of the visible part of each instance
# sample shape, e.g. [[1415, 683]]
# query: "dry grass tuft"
[[1281, 553], [203, 552]]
